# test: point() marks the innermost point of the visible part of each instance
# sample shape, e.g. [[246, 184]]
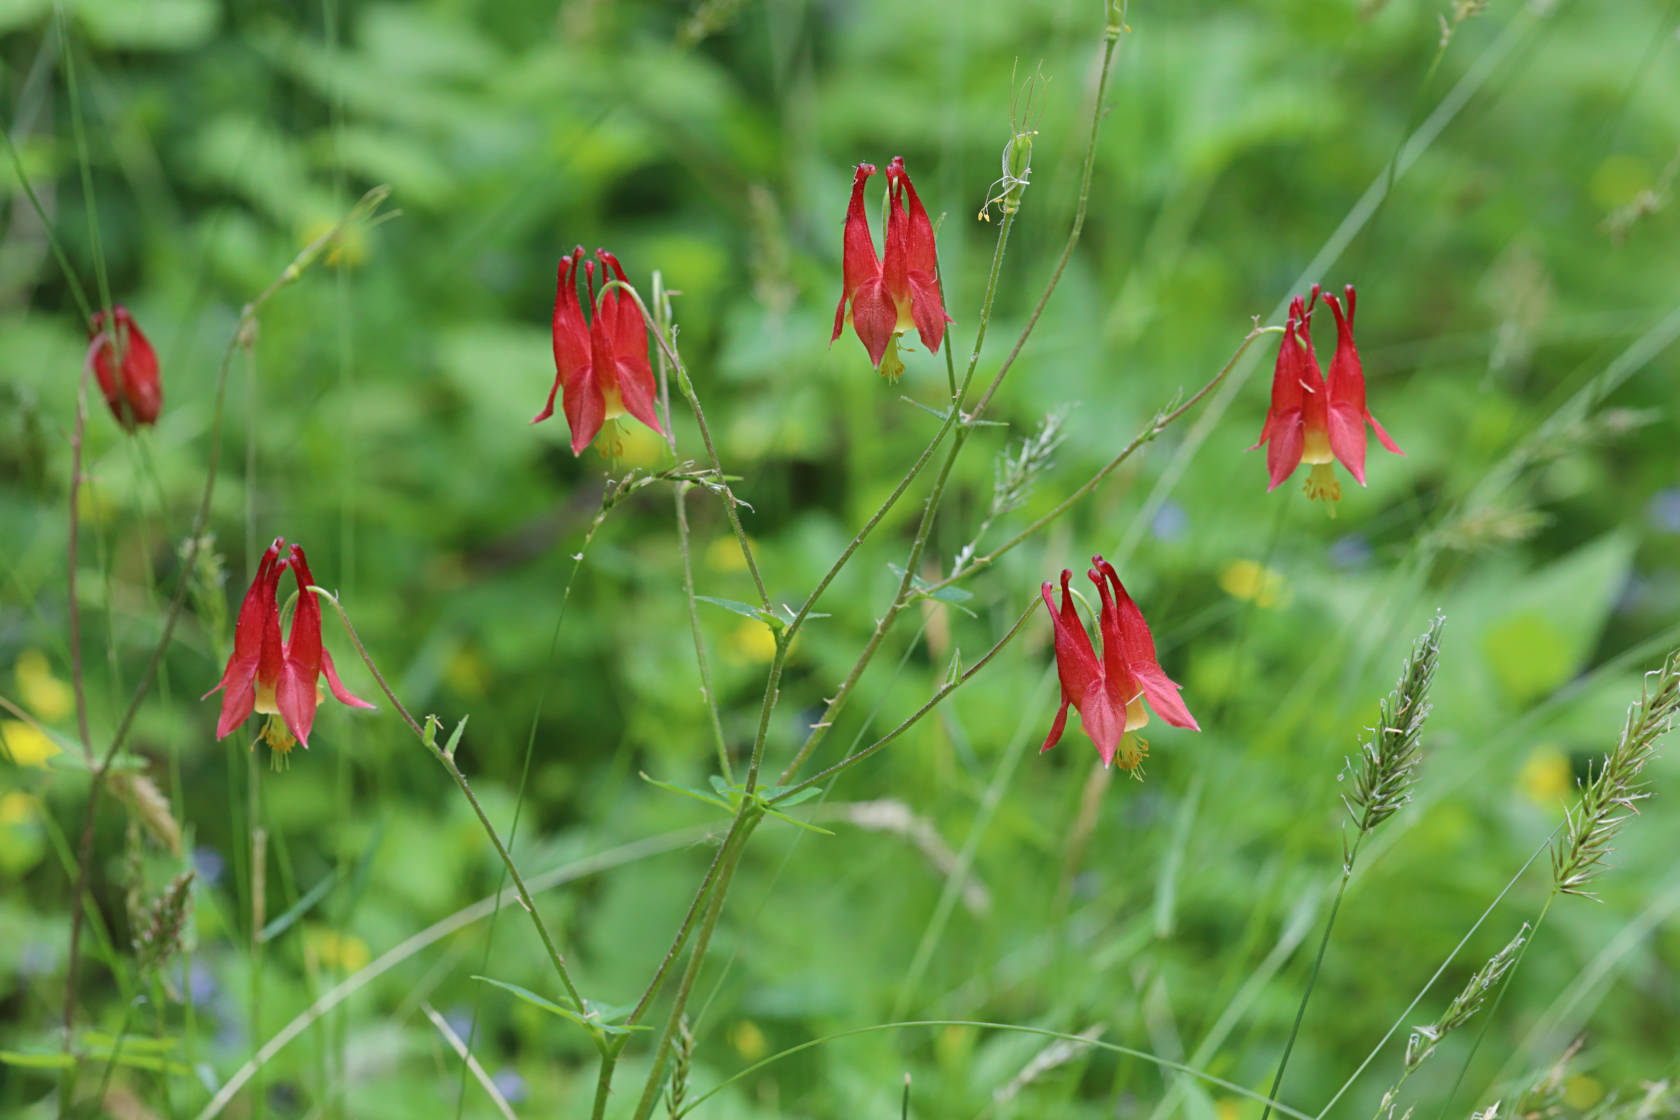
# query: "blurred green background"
[[1519, 291]]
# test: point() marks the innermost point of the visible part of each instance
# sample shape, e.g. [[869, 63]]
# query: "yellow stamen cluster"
[[1322, 485]]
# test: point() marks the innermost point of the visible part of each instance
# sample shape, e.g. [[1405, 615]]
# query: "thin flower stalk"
[[448, 762], [1162, 419]]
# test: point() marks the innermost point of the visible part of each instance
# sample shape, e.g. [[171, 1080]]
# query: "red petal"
[[858, 260], [340, 693], [1347, 378], [1382, 436], [1102, 712], [1076, 660], [636, 388], [1163, 697], [300, 667], [928, 310], [1283, 453], [895, 260], [923, 254], [257, 614], [1347, 439], [874, 318], [1056, 728], [571, 336]]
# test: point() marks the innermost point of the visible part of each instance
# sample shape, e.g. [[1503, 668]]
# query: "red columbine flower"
[[1110, 692], [888, 296], [131, 389], [265, 675], [602, 366], [1314, 419]]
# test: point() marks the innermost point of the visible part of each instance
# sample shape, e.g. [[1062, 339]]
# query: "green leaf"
[[298, 909], [951, 594], [797, 823], [588, 1021], [745, 610], [799, 798], [25, 1060], [455, 738], [694, 793]]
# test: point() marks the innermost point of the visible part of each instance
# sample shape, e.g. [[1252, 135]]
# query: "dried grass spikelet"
[[159, 937], [1610, 796], [1386, 768], [149, 806]]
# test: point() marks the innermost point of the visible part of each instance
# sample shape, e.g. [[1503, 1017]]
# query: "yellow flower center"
[[1316, 446], [279, 739], [1322, 485]]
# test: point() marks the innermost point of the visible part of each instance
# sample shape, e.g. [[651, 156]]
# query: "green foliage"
[[1516, 326]]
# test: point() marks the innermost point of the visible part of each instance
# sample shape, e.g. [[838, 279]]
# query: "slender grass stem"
[[1312, 977], [460, 779]]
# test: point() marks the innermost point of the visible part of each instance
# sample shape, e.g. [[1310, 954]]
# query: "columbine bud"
[[130, 384]]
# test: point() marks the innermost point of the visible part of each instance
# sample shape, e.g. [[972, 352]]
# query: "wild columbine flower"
[[1315, 419], [131, 387], [278, 679], [600, 366], [891, 294], [1110, 692]]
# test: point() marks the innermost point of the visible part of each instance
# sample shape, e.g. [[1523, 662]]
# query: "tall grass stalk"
[[1383, 778]]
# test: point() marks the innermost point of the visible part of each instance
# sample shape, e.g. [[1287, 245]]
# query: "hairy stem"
[[460, 779], [747, 821]]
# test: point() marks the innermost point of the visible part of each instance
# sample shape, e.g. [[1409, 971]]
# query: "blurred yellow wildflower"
[[724, 554], [750, 641], [26, 745], [748, 1040], [344, 952], [1546, 776], [17, 807], [42, 693], [1264, 587], [1582, 1091]]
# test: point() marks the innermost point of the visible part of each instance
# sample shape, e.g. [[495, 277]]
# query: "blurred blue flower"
[[209, 864], [1171, 522], [510, 1085], [1664, 509], [1351, 551]]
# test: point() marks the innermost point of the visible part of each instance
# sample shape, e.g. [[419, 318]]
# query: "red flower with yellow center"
[[601, 366], [1315, 419], [1110, 692], [889, 295], [278, 678]]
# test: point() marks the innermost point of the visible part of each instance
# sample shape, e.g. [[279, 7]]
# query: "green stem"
[[706, 692], [747, 819], [460, 779], [1499, 997], [1157, 425], [911, 720], [603, 1083], [1312, 978]]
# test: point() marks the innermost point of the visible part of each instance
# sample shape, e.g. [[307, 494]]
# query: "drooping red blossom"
[[1109, 692], [265, 675], [889, 295], [1314, 419], [131, 385], [601, 366]]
